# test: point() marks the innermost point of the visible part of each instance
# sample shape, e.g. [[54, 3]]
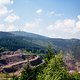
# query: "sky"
[[52, 18]]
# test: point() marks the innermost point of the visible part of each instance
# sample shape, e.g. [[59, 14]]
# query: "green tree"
[[50, 53], [29, 73], [54, 70]]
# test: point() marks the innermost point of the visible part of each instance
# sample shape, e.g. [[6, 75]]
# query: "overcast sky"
[[53, 18]]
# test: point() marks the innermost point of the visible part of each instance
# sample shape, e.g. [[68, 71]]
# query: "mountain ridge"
[[19, 39]]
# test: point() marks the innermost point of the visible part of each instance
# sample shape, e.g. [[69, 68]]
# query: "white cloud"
[[6, 2], [3, 7], [12, 1], [78, 25], [69, 23], [11, 18], [78, 17], [32, 26], [8, 27], [52, 13], [11, 11], [2, 28], [56, 14], [62, 28], [39, 11], [11, 27], [3, 11], [50, 27]]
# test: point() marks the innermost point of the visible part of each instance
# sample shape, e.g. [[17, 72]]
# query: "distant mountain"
[[26, 34], [5, 34], [19, 39]]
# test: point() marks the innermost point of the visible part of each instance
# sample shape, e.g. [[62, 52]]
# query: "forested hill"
[[19, 39]]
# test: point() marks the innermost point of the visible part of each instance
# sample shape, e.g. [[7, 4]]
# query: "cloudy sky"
[[53, 18]]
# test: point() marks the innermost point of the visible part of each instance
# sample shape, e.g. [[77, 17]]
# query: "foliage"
[[56, 71], [52, 70], [2, 49], [15, 78], [50, 53], [29, 73]]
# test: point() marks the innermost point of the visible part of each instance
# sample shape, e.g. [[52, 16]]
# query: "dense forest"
[[33, 42]]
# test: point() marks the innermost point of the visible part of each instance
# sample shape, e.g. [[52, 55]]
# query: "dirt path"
[[20, 62], [10, 65], [7, 56]]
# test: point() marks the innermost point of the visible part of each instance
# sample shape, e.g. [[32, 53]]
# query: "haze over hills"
[[19, 39]]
